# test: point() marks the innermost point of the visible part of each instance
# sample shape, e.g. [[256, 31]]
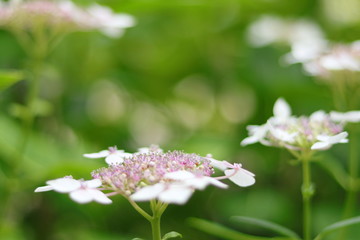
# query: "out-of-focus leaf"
[[7, 78], [335, 169], [267, 225], [337, 226], [172, 235], [224, 232], [137, 239]]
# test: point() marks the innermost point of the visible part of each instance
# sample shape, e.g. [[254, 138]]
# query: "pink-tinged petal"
[[178, 194], [44, 189], [114, 159], [221, 165], [320, 146], [81, 196], [94, 183], [240, 177], [179, 175], [99, 196], [148, 193], [281, 109], [64, 185], [101, 154]]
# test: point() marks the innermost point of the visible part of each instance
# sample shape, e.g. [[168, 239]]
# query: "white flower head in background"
[[304, 37], [340, 57], [316, 132], [109, 23]]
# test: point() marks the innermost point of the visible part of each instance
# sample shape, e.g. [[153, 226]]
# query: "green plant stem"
[[307, 193], [353, 171], [157, 208]]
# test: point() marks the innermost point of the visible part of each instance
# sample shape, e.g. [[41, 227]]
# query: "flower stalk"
[[307, 191]]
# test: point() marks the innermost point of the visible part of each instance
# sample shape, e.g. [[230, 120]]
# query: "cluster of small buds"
[[149, 173], [319, 131], [61, 16], [338, 58]]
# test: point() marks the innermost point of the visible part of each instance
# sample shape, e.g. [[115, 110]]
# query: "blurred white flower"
[[296, 133], [80, 191], [325, 142], [108, 22], [112, 155]]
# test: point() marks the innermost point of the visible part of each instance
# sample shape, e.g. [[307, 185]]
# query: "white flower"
[[109, 23], [325, 142], [352, 116], [257, 134], [235, 173], [112, 155], [177, 193], [195, 181], [80, 191]]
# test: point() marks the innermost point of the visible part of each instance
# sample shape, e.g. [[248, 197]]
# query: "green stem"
[[307, 193]]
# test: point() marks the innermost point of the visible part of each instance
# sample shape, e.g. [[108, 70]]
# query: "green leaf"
[[226, 233], [171, 235], [137, 239], [337, 226], [7, 78], [267, 225], [335, 169]]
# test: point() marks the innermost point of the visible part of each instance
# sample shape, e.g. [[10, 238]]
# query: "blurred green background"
[[185, 78]]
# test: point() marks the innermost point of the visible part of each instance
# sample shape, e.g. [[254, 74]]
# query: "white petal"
[[179, 175], [318, 116], [240, 177], [101, 154], [281, 109], [320, 146], [198, 183], [99, 196], [64, 185], [249, 140], [44, 189], [217, 183], [81, 196], [114, 159], [178, 194], [352, 116], [94, 183], [337, 138], [148, 193]]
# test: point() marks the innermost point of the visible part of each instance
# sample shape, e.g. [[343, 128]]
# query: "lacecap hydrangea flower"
[[150, 174], [60, 17], [319, 131]]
